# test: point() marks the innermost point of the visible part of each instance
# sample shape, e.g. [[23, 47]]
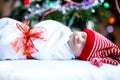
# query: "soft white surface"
[[56, 70]]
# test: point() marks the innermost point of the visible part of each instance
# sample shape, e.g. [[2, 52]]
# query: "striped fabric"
[[99, 49]]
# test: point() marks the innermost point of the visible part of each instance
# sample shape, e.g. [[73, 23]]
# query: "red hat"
[[88, 45], [98, 46]]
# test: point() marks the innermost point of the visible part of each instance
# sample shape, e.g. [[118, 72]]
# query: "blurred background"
[[100, 15]]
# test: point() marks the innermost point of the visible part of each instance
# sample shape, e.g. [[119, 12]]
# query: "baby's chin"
[[77, 52]]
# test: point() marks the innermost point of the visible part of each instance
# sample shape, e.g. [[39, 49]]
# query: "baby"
[[52, 43], [92, 46], [55, 41]]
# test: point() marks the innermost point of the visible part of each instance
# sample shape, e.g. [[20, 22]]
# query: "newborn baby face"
[[77, 41]]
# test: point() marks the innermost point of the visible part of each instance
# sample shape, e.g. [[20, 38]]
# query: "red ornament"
[[26, 2]]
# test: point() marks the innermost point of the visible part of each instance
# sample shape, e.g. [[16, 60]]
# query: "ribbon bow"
[[24, 42]]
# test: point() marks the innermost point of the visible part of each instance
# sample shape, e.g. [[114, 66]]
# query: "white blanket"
[[56, 70], [55, 47]]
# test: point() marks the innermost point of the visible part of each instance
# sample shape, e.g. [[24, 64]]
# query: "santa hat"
[[96, 43], [88, 45]]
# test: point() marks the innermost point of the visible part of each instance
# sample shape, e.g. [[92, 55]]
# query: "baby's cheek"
[[77, 49]]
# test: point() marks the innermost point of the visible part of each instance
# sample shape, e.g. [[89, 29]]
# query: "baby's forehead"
[[78, 32]]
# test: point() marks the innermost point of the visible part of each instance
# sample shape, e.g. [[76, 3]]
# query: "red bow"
[[25, 43]]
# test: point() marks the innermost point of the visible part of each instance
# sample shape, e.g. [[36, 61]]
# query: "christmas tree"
[[76, 14]]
